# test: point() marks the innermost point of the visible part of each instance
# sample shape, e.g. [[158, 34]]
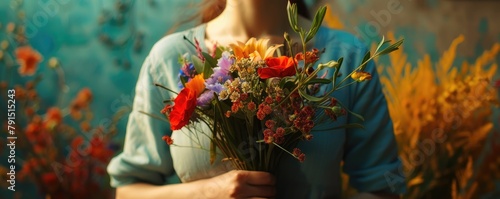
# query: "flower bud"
[[330, 64], [53, 62], [286, 36]]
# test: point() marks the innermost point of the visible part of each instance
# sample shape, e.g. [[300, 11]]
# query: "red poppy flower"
[[277, 67], [184, 106]]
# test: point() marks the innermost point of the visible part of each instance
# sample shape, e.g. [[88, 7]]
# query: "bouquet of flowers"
[[246, 94]]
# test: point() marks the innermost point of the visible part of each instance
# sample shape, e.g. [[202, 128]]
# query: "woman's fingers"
[[252, 191], [259, 178]]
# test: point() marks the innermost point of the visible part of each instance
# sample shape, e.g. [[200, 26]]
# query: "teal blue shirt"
[[370, 154]]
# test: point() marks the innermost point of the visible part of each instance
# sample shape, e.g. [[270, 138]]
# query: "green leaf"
[[365, 61], [198, 64], [382, 42], [286, 81], [356, 115], [207, 70], [337, 70], [210, 60], [391, 48], [218, 52], [183, 81], [353, 113], [319, 81], [210, 63], [310, 97], [316, 24], [292, 16]]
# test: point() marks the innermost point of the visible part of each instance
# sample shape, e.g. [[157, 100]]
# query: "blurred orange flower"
[[53, 118], [81, 101], [29, 60]]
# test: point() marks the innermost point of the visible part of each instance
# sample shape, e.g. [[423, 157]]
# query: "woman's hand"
[[240, 184]]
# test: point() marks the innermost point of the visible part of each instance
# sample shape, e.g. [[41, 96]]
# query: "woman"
[[147, 165]]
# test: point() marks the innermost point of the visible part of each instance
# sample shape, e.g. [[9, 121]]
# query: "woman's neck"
[[243, 19]]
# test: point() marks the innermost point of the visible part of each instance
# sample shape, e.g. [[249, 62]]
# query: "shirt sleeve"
[[371, 154], [145, 157]]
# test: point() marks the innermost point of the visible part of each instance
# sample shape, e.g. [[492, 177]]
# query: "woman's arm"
[[234, 184]]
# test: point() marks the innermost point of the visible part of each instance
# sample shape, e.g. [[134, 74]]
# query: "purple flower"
[[221, 72], [217, 87], [205, 98]]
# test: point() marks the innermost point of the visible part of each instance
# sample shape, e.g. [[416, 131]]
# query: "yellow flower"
[[254, 49], [197, 84], [361, 76]]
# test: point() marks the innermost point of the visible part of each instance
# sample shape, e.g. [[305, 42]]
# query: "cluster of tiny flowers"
[[265, 108], [247, 68], [238, 91], [273, 134], [303, 121]]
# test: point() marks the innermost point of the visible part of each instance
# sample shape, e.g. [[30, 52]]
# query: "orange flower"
[[277, 67], [254, 49], [29, 60], [361, 76], [53, 117], [85, 126], [84, 97], [81, 101], [197, 84]]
